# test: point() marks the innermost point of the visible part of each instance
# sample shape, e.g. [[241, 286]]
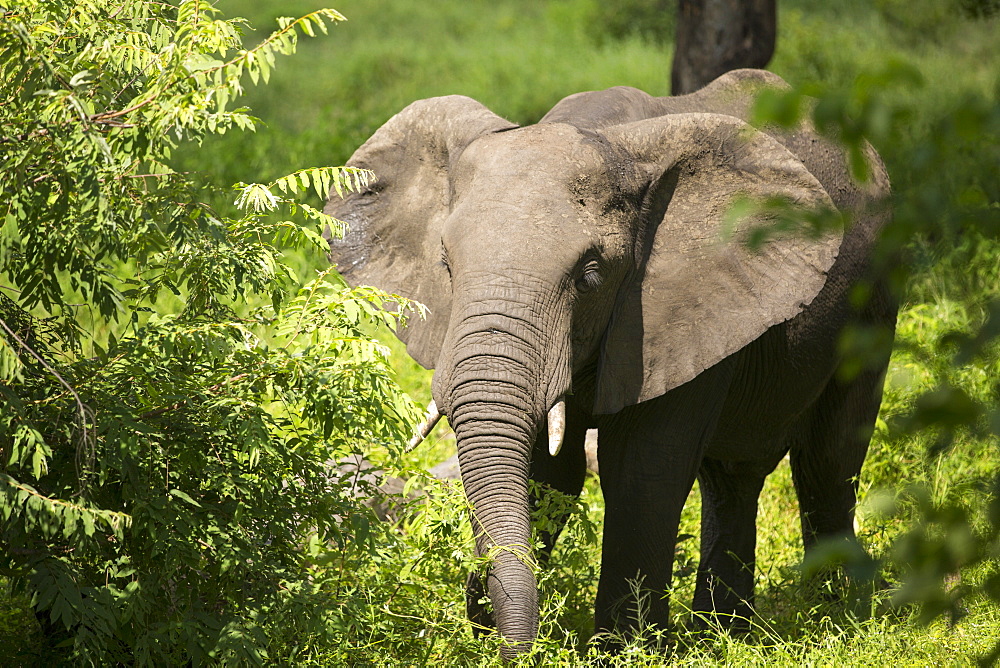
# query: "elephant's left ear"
[[701, 292]]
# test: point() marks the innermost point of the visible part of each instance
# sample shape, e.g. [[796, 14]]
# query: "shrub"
[[170, 400]]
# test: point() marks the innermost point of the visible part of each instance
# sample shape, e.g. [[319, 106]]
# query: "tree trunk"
[[716, 36]]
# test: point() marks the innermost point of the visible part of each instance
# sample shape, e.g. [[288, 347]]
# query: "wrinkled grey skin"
[[586, 257]]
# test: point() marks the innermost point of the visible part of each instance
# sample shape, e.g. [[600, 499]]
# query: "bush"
[[942, 405], [170, 399]]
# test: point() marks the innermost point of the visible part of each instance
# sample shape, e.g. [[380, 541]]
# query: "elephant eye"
[[590, 278]]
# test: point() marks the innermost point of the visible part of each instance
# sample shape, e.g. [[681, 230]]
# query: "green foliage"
[[928, 20], [171, 402], [956, 404]]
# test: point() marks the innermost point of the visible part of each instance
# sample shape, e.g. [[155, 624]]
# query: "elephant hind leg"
[[827, 452], [725, 579]]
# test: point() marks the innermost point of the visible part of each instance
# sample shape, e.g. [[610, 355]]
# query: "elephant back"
[[733, 94]]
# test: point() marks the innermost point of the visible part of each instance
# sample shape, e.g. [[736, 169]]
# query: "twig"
[[107, 115], [83, 411], [108, 515]]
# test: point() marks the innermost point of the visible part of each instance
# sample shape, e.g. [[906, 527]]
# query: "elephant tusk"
[[557, 426], [420, 433]]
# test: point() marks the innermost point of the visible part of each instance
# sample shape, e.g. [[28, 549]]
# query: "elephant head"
[[555, 252]]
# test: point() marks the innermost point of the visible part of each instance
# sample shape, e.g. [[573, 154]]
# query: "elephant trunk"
[[495, 394], [495, 476]]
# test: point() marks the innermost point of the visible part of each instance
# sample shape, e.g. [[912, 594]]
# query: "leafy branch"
[[212, 386]]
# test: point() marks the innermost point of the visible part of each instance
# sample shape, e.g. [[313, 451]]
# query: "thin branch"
[[83, 409], [106, 514], [314, 288], [118, 11], [27, 552], [107, 115], [84, 412], [24, 136]]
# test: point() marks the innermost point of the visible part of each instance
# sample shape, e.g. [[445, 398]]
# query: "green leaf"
[[183, 496]]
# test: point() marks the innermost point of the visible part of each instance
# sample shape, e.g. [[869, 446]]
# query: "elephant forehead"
[[540, 195], [512, 225], [556, 157]]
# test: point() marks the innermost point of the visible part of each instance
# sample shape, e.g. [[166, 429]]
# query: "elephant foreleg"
[[649, 457]]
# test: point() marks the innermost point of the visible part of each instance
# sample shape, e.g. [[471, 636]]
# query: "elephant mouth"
[[556, 422]]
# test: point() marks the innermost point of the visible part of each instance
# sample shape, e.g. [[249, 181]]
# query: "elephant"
[[584, 273]]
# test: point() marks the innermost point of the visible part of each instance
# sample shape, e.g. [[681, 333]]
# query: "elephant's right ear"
[[700, 292], [393, 240]]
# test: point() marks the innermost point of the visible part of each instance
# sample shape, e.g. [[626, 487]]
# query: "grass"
[[520, 57]]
